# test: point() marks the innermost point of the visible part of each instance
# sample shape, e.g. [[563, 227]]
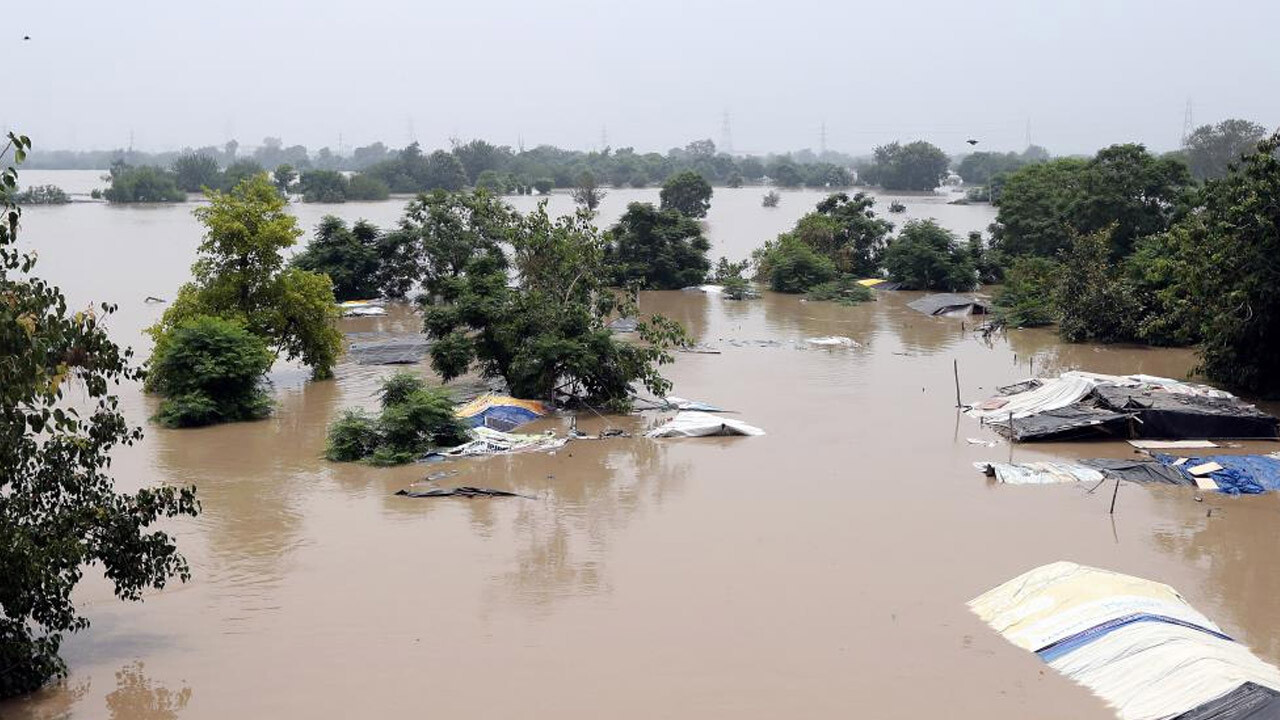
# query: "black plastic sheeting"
[[1247, 702], [947, 304], [465, 491], [1171, 415], [1141, 471], [1068, 423]]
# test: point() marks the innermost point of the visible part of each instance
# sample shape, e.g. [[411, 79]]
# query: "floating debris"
[[501, 412], [401, 350], [833, 341], [465, 491]]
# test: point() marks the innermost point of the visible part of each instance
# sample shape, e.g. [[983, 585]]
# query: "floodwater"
[[819, 571]]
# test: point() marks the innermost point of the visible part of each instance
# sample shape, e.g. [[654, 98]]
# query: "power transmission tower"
[[604, 138], [726, 134], [1188, 122], [1028, 132], [822, 139]]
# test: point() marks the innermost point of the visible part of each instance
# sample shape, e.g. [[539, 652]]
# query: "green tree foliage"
[[1237, 274], [587, 193], [1212, 148], [1095, 301], [543, 185], [361, 187], [239, 171], [42, 195], [926, 256], [980, 168], [438, 236], [494, 182], [791, 266], [144, 184], [285, 176], [444, 171], [846, 230], [785, 173], [988, 261], [1027, 297], [194, 172], [239, 274], [656, 249], [59, 509], [548, 334], [1041, 206], [845, 291], [414, 419], [687, 193], [478, 157], [210, 371], [770, 199], [348, 255], [323, 186], [915, 166]]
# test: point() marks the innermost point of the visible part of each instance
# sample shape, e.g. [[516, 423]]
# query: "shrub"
[[1095, 300], [792, 266], [209, 370], [368, 188], [737, 288], [142, 185], [845, 291], [42, 195], [414, 419], [352, 437]]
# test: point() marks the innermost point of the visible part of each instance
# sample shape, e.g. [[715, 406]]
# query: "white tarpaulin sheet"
[[1038, 473], [700, 424]]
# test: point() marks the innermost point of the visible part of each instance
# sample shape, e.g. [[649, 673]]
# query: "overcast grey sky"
[[654, 73]]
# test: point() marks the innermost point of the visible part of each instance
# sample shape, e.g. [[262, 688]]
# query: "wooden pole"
[[955, 368], [1114, 493]]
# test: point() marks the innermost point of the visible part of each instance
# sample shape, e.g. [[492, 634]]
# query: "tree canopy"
[[547, 335], [656, 249], [348, 255], [59, 509], [240, 274], [687, 193], [1212, 148], [915, 166], [144, 184], [926, 256]]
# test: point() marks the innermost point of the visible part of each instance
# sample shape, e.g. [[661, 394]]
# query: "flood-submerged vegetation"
[[414, 420]]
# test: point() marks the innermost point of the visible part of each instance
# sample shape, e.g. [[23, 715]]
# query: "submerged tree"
[[546, 335], [348, 255], [59, 509], [656, 249], [916, 166], [687, 193], [926, 256], [210, 371], [587, 192], [196, 171], [240, 274]]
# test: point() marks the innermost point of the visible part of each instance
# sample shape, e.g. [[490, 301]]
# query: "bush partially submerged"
[[414, 419], [845, 291], [210, 370]]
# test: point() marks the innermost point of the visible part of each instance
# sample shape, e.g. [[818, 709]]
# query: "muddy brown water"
[[819, 571]]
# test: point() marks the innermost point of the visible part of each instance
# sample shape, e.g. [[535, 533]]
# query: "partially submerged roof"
[[1080, 404], [403, 350], [948, 304], [501, 412], [690, 423], [1134, 643]]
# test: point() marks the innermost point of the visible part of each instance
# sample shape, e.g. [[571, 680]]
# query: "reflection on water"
[[137, 697], [818, 571]]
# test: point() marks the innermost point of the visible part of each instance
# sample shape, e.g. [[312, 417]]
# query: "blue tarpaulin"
[[1240, 474]]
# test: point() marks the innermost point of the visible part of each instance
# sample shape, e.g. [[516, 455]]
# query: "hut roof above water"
[[948, 304]]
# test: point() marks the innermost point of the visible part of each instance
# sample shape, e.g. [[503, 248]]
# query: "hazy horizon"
[[577, 75]]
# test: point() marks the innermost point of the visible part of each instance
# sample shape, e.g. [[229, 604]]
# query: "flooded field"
[[819, 571]]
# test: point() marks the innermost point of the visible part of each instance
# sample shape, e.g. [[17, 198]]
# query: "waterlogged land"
[[819, 571]]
